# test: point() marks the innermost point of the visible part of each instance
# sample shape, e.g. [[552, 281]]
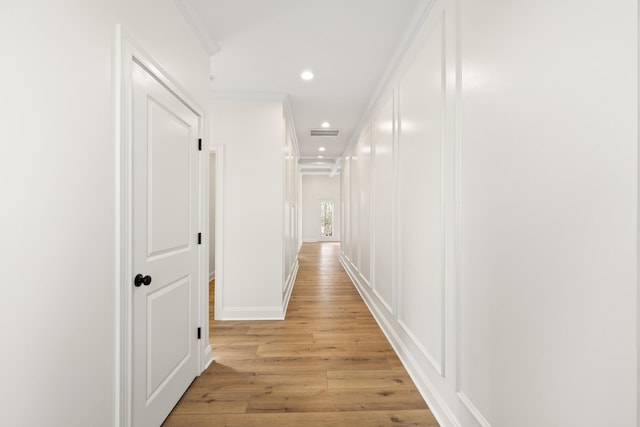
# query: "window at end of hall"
[[326, 219]]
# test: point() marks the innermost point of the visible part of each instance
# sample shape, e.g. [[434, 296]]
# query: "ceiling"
[[260, 47]]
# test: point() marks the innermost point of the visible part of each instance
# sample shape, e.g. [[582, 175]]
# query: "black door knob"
[[141, 280]]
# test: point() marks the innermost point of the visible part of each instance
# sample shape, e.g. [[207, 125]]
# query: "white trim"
[[126, 53], [381, 300], [289, 288], [443, 192], [364, 280], [123, 233], [218, 150], [203, 226], [355, 268], [212, 276], [371, 208], [199, 28], [437, 366], [427, 390], [118, 417], [346, 257], [472, 408], [299, 211], [373, 205], [208, 356], [457, 204], [428, 27], [638, 229], [291, 125], [395, 61], [335, 170], [395, 201]]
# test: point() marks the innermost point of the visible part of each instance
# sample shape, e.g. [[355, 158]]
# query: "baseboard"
[[252, 313], [310, 240], [434, 400], [207, 357], [264, 313], [289, 288], [212, 276]]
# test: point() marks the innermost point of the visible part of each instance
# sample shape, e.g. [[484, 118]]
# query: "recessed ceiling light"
[[325, 124], [321, 149], [320, 157], [306, 75]]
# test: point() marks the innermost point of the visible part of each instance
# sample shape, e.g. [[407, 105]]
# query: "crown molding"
[[422, 11], [198, 26]]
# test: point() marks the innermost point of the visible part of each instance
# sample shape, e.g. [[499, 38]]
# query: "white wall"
[[504, 199], [255, 177], [316, 189], [550, 182], [57, 166]]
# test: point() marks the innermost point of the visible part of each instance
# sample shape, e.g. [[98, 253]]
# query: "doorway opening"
[[214, 295], [212, 241]]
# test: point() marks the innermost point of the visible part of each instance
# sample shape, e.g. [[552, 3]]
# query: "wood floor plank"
[[327, 364], [395, 363], [306, 363], [263, 381], [320, 328], [226, 340], [402, 418], [379, 379], [241, 368], [196, 401], [336, 400], [344, 349], [373, 336]]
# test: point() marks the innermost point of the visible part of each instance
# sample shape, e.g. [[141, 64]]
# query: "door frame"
[[126, 52], [218, 150]]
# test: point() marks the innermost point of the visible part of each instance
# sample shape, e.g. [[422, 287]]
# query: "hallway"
[[327, 364]]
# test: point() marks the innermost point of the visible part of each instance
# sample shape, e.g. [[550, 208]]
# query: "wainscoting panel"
[[363, 151], [383, 199], [354, 209], [345, 210], [421, 140]]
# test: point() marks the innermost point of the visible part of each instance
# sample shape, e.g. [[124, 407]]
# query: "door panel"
[[168, 183], [167, 345], [164, 230]]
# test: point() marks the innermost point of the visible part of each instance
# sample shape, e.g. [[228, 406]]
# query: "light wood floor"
[[327, 364]]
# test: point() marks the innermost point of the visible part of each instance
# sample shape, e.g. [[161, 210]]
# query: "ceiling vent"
[[324, 132]]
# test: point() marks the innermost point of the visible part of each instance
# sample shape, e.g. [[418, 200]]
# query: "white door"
[[164, 248]]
